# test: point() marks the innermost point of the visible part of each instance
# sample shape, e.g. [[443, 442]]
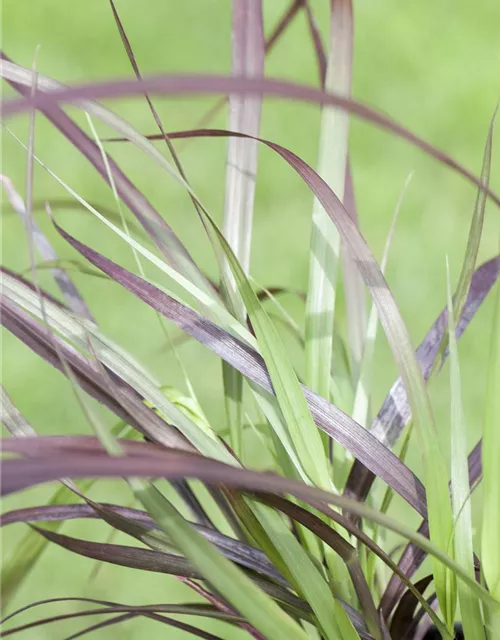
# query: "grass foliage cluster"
[[303, 550]]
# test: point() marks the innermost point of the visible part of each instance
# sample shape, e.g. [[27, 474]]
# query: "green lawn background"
[[432, 66]]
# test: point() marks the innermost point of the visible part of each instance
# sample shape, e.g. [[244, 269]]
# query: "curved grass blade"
[[403, 616], [202, 84], [177, 624], [149, 461], [342, 548], [187, 609], [239, 590], [131, 374], [324, 532]]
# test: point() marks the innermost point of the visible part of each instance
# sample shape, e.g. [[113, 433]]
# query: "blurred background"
[[432, 66]]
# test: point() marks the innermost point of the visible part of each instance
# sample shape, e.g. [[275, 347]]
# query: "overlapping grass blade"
[[121, 364], [108, 608], [234, 550], [45, 464], [460, 492], [338, 425], [239, 590]]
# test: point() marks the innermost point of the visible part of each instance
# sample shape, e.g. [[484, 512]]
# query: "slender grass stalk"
[[462, 538]]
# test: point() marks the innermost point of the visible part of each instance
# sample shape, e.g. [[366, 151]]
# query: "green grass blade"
[[362, 396], [300, 424], [460, 491], [325, 239], [490, 533], [304, 573], [228, 580]]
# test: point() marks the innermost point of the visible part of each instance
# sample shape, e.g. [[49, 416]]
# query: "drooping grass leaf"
[[235, 550], [186, 609], [45, 464], [201, 84]]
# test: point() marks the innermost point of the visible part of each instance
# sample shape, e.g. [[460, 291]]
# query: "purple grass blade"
[[317, 42], [209, 84], [160, 562], [101, 625], [395, 411], [412, 557], [143, 460], [237, 551], [35, 336], [329, 418], [131, 611], [403, 616], [177, 624], [125, 556]]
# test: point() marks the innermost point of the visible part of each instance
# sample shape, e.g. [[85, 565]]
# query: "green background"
[[432, 66]]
